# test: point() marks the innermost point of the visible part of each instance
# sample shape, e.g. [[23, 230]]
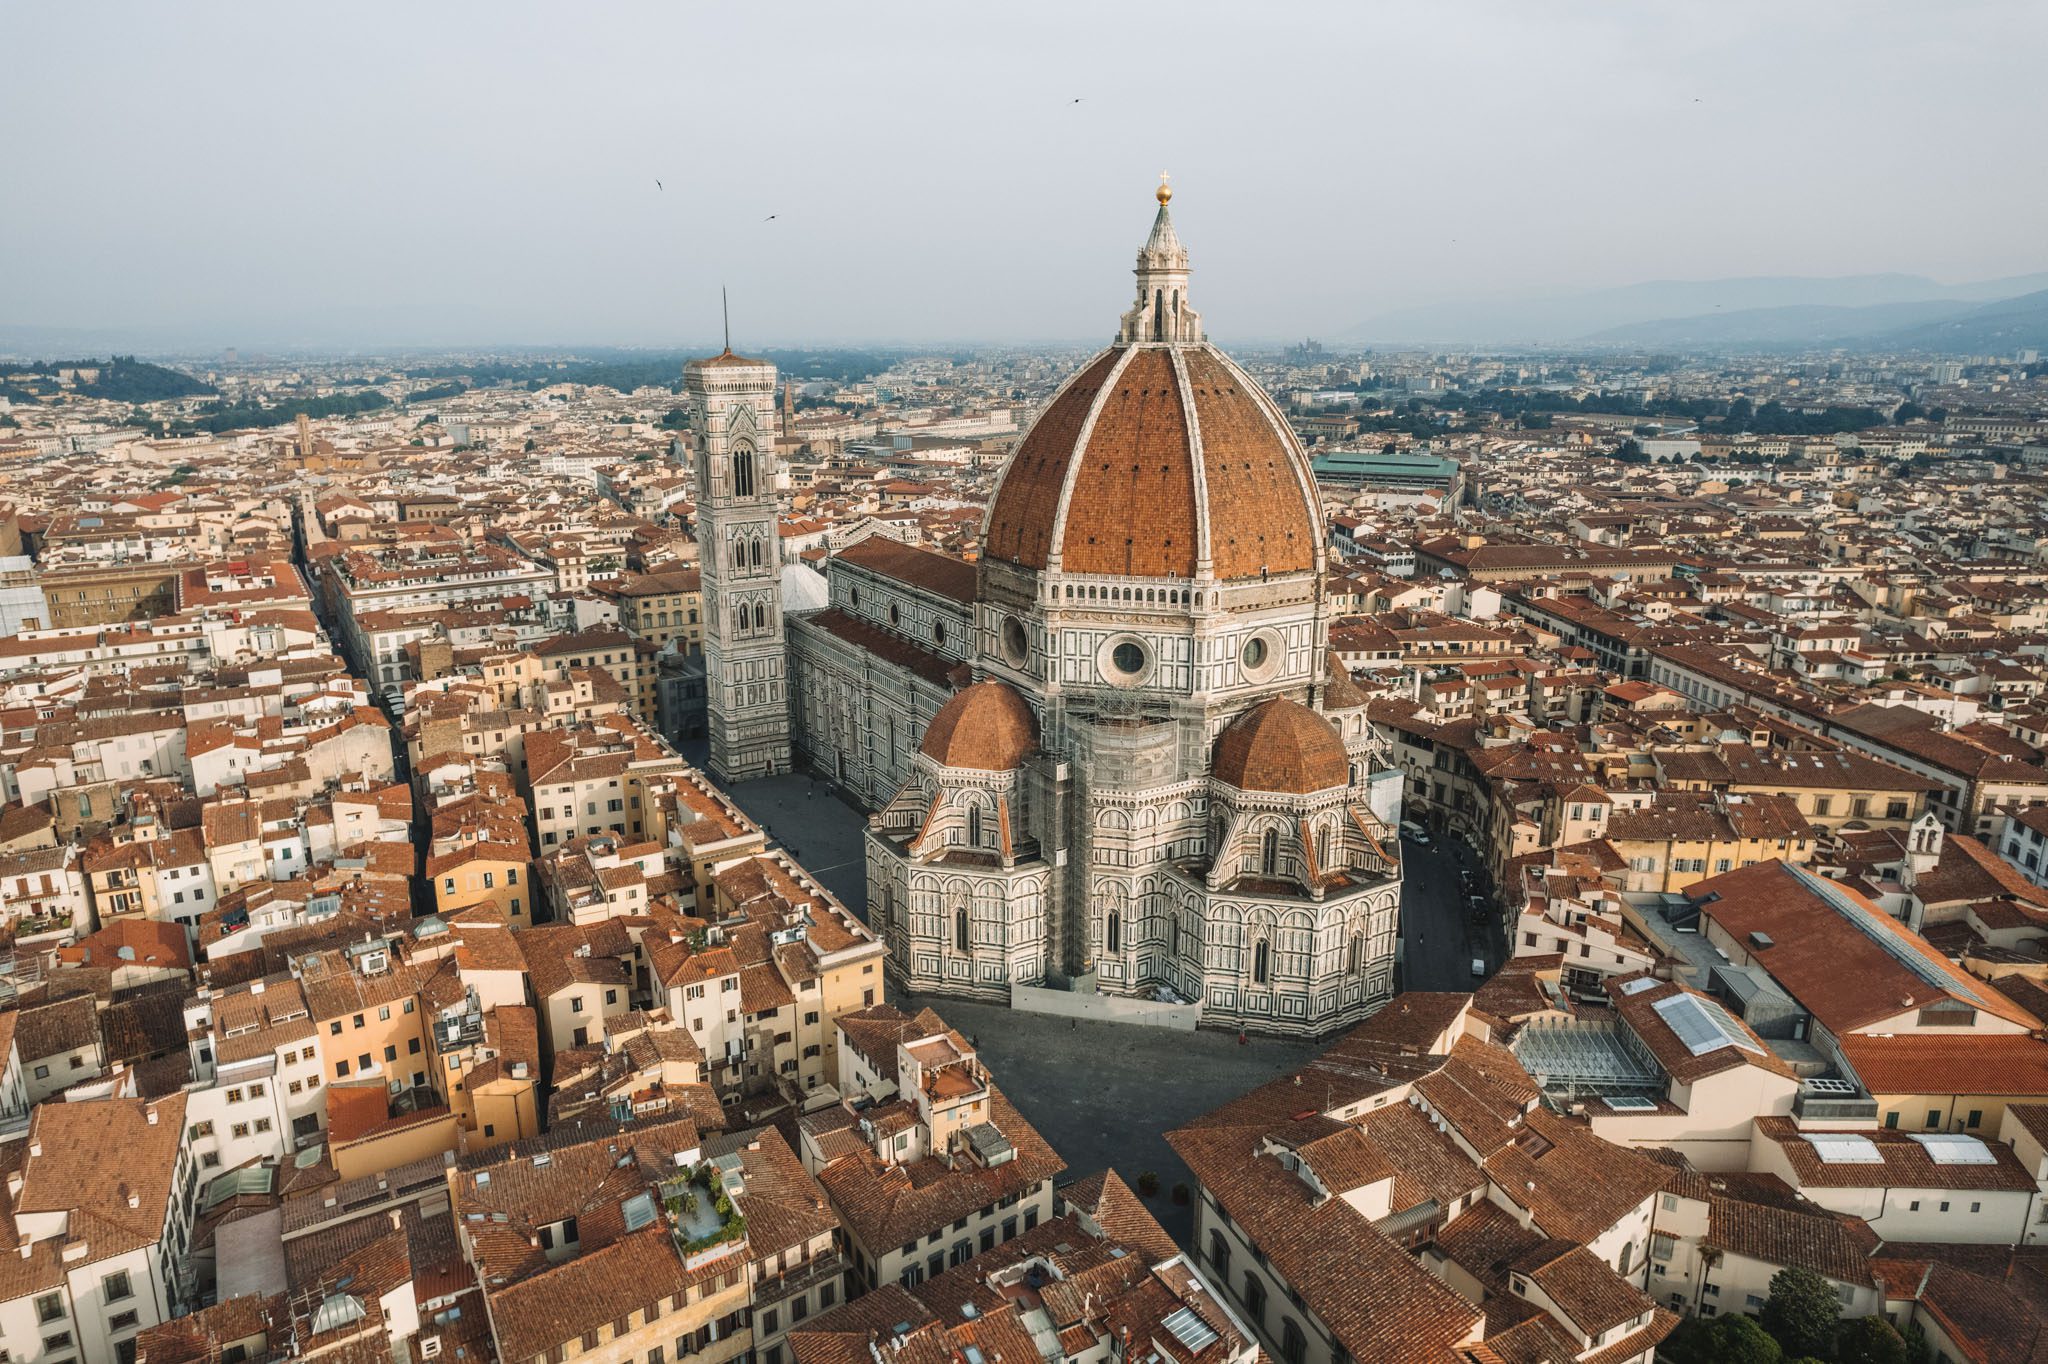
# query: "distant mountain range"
[[1874, 312]]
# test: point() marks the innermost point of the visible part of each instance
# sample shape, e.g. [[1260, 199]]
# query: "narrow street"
[[1438, 938]]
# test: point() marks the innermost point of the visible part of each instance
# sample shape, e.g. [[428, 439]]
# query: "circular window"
[[853, 595], [1261, 656], [895, 616], [1016, 645], [1129, 657], [938, 632]]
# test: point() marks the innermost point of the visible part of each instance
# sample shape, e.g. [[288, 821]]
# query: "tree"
[[1870, 1340], [1801, 1311], [1731, 1339]]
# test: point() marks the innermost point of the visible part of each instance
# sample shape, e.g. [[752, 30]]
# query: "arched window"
[[1114, 938], [1158, 314], [1269, 852], [1323, 847], [974, 825], [1174, 945], [888, 905], [1254, 1298], [743, 471], [1259, 963], [1219, 1257], [760, 617], [1356, 958], [1292, 1346], [960, 929]]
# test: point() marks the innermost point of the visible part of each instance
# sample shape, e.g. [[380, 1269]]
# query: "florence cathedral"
[[1116, 754]]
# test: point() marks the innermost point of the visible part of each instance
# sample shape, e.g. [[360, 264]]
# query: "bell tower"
[[732, 417]]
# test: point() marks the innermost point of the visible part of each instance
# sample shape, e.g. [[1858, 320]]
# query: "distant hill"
[[1800, 325], [118, 378], [1574, 316], [2009, 325]]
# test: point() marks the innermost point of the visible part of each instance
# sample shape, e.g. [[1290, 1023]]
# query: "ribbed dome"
[[1183, 461], [1340, 692], [985, 727], [1283, 746]]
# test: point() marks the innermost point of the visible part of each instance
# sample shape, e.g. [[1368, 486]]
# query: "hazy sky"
[[442, 173]]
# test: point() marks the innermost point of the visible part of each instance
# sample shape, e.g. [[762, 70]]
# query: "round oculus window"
[[938, 632], [895, 615], [1129, 657], [1255, 652], [1016, 646]]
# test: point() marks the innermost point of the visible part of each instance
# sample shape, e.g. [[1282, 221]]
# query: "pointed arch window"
[[1113, 938], [1174, 945], [1323, 847], [743, 471], [960, 929], [760, 617], [1261, 960], [974, 825], [1356, 958], [1269, 853]]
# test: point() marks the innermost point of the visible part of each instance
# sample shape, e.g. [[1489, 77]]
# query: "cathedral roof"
[[1161, 458], [1340, 692], [985, 727], [724, 358], [1281, 745]]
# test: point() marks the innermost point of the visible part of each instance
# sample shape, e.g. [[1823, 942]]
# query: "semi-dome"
[[1161, 458], [1281, 746], [986, 727]]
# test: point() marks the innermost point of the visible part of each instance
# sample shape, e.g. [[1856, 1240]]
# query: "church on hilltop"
[[1115, 754]]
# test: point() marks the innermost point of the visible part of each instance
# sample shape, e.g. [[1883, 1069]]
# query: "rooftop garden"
[[701, 1215]]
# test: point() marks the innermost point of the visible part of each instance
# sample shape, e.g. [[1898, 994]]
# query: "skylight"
[[1954, 1148], [1844, 1148], [1638, 985], [1702, 1025], [1189, 1329], [639, 1211]]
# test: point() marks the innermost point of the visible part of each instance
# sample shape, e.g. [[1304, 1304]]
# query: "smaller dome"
[[1281, 745], [986, 727], [1340, 692]]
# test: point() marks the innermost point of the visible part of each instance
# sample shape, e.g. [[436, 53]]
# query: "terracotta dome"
[[1184, 460], [1340, 692], [986, 727], [1281, 745], [1160, 458]]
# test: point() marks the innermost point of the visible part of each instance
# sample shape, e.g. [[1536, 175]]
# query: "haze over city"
[[398, 175], [1039, 684]]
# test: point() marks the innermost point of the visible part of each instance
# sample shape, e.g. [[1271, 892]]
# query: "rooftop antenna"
[[726, 308]]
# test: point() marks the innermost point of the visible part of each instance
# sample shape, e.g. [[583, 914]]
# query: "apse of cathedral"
[[1114, 755]]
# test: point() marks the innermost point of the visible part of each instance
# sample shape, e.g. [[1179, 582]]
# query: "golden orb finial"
[[1165, 191]]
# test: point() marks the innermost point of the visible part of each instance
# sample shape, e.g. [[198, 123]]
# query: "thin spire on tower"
[[725, 307]]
